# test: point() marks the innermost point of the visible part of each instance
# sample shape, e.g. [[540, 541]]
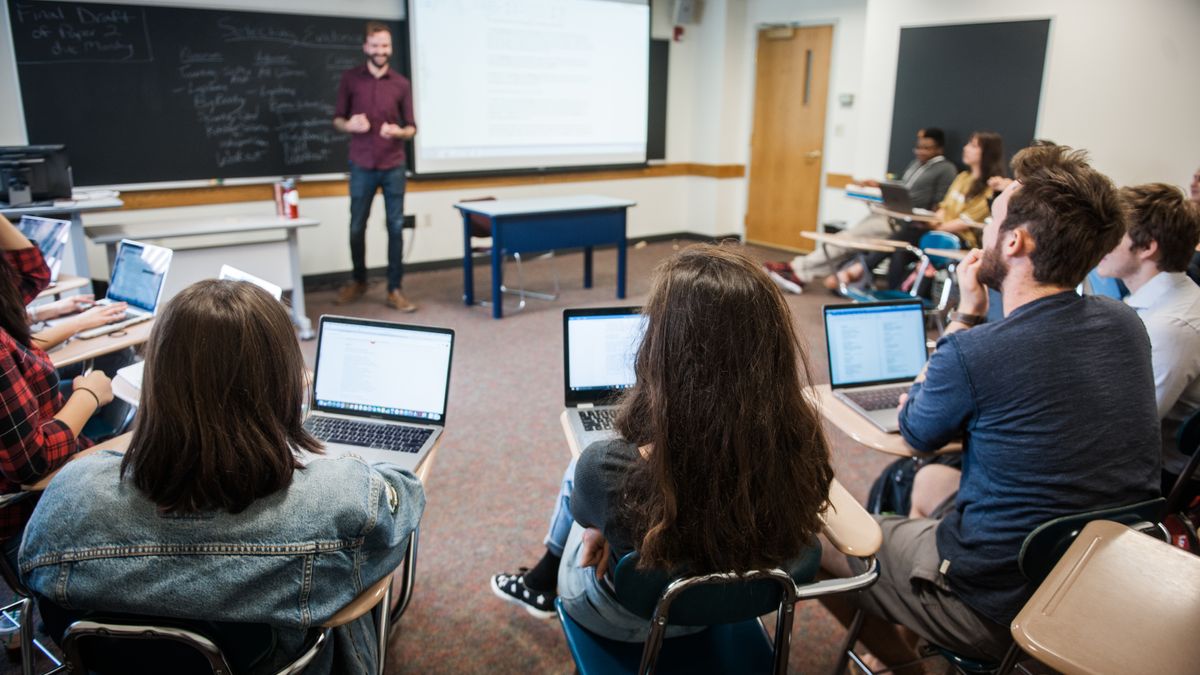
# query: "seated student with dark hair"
[[927, 178], [721, 464], [1055, 406], [1152, 259], [967, 197], [40, 427], [221, 510], [1194, 268]]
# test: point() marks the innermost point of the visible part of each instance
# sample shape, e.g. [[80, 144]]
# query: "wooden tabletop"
[[918, 217], [1118, 601], [859, 429], [952, 253], [77, 350], [844, 241], [65, 283]]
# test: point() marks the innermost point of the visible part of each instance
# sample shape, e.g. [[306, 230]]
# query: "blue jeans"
[[363, 185]]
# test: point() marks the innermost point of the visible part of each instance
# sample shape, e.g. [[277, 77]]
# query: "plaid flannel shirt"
[[32, 442]]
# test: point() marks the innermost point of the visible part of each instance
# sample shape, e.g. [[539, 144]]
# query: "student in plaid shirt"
[[39, 427]]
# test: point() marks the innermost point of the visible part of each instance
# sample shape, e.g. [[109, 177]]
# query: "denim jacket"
[[290, 560]]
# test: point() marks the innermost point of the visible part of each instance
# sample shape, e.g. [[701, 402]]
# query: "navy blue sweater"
[[1056, 408]]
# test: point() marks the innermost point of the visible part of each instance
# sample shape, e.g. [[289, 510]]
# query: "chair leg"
[[408, 580], [1010, 660], [846, 652], [783, 637], [384, 628]]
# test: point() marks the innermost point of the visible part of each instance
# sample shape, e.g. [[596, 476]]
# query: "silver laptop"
[[380, 389], [138, 276], [875, 350], [599, 350], [50, 235]]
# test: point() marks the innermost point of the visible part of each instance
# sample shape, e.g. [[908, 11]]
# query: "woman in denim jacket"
[[220, 510]]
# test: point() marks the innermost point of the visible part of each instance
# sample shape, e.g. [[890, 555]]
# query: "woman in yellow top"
[[968, 198]]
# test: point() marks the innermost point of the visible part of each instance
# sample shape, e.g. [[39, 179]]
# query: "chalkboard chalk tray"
[[147, 94]]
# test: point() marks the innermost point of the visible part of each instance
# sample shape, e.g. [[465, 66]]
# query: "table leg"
[[621, 268], [497, 272], [299, 311], [587, 266], [468, 263], [79, 251]]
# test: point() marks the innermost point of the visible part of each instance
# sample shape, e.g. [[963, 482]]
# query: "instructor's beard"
[[992, 268], [379, 61]]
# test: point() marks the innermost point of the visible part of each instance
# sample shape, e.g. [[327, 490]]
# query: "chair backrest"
[[1050, 540], [937, 239], [719, 599], [480, 226], [135, 645], [1187, 436]]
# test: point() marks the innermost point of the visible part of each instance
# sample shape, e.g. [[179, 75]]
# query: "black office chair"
[[481, 228], [1039, 553], [729, 604], [23, 605], [1187, 437]]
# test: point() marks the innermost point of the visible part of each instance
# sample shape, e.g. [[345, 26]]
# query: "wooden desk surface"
[[879, 245], [65, 283], [917, 217], [859, 429], [192, 227], [1118, 601], [77, 350], [951, 253]]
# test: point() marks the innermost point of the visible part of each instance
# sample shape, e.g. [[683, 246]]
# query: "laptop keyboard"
[[877, 399], [112, 327], [397, 437], [601, 419]]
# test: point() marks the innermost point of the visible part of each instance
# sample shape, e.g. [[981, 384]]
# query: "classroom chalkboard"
[[965, 78], [146, 94]]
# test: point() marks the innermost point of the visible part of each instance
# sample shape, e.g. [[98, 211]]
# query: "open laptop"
[[234, 274], [51, 236], [876, 350], [138, 275], [599, 350], [896, 198], [380, 389]]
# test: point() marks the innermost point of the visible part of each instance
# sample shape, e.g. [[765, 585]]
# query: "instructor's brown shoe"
[[396, 300], [350, 292]]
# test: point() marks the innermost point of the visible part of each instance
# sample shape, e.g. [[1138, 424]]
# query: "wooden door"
[[786, 148]]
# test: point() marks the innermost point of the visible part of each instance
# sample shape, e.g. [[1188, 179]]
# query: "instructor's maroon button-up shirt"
[[384, 99]]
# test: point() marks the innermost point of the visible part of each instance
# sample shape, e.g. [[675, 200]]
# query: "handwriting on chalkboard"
[[241, 103], [61, 33]]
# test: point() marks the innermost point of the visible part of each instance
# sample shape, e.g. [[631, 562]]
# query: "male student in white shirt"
[[1152, 260]]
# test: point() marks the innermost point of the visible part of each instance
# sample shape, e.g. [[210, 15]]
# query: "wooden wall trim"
[[226, 194], [838, 181]]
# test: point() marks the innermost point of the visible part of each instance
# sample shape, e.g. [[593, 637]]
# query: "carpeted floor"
[[497, 471]]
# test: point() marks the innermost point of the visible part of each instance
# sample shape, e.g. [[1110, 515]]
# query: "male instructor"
[[374, 106]]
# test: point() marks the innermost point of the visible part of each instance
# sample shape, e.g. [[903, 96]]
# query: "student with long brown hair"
[[222, 509], [721, 464], [39, 426]]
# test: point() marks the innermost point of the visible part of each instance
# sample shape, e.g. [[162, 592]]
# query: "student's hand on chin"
[[972, 295]]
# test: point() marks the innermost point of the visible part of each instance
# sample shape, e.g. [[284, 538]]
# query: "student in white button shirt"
[[1152, 259]]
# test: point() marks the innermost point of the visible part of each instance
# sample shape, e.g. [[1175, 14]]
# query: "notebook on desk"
[[50, 235], [138, 275], [599, 350], [875, 351], [380, 389]]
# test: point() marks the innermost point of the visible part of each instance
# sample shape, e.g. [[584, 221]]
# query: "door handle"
[[813, 154]]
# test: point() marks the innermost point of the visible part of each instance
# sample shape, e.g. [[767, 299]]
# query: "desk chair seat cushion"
[[743, 647]]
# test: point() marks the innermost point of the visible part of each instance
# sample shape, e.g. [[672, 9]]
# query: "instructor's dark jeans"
[[363, 185]]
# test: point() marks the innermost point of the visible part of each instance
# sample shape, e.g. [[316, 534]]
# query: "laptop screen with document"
[[138, 274], [875, 343], [379, 369], [600, 347]]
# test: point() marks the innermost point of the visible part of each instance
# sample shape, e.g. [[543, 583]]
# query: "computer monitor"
[[34, 173]]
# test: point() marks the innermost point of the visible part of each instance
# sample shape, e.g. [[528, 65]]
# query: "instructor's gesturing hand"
[[358, 124]]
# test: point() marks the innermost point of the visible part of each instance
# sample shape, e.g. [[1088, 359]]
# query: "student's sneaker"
[[511, 588], [784, 277]]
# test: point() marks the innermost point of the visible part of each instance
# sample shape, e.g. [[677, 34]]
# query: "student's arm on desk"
[[52, 336], [116, 443], [939, 404]]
